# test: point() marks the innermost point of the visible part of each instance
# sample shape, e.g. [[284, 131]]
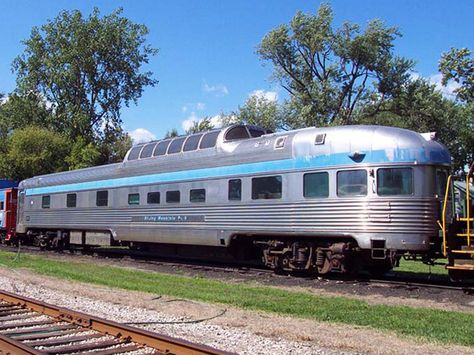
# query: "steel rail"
[[162, 343]]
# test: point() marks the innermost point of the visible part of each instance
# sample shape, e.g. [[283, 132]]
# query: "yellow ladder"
[[461, 258]]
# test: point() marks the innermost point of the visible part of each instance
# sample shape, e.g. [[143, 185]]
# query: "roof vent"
[[320, 138], [280, 142], [429, 136]]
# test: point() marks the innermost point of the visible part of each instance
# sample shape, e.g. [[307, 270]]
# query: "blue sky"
[[207, 62]]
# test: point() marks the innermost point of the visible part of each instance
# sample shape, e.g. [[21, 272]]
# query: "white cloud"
[[200, 106], [4, 100], [435, 79], [217, 89], [189, 122], [271, 96], [448, 90], [141, 135], [216, 120]]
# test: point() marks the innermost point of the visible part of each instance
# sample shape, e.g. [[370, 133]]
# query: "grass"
[[417, 268], [428, 324]]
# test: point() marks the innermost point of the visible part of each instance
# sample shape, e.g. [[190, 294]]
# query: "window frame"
[[316, 173], [153, 193], [254, 179], [68, 200], [352, 195], [97, 199], [45, 198], [412, 186], [191, 191], [168, 195], [133, 202], [229, 190]]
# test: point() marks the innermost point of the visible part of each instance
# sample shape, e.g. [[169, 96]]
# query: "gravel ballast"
[[226, 328]]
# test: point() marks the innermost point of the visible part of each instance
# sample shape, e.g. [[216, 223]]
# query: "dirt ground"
[[343, 338]]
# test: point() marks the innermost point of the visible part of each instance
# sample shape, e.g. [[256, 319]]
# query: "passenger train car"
[[8, 207], [314, 199]]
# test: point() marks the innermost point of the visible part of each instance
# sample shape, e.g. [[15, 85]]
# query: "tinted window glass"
[[71, 200], [268, 187], [238, 132], [161, 148], [173, 196], [395, 181], [192, 142], [255, 132], [134, 153], [46, 201], [316, 185], [352, 183], [102, 198], [441, 180], [2, 205], [133, 199], [197, 195], [153, 198], [209, 140], [147, 150], [235, 190], [176, 144]]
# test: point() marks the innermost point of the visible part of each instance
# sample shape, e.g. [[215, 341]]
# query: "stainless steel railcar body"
[[378, 186]]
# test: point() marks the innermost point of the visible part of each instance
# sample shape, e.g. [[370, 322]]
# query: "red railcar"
[[9, 214]]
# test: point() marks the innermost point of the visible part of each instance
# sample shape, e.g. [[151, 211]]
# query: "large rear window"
[[352, 183], [395, 181]]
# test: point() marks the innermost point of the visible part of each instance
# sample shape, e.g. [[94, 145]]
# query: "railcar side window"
[[46, 201], [134, 153], [102, 198], [197, 195], [161, 148], [352, 183], [147, 150], [71, 200], [176, 144], [441, 180], [133, 199], [268, 187], [395, 181], [238, 132], [209, 140], [235, 190], [173, 196], [316, 185], [192, 142], [153, 198], [2, 205]]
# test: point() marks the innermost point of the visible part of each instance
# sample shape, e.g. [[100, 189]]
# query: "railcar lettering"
[[169, 218]]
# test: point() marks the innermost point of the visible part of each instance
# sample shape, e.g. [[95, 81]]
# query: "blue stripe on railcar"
[[333, 160]]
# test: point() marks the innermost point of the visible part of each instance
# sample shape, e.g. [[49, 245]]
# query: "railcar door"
[[11, 203]]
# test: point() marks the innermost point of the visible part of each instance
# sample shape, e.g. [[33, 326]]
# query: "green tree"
[[260, 111], [34, 151], [419, 106], [329, 72], [172, 133], [22, 111], [458, 65], [82, 155], [200, 126], [87, 69]]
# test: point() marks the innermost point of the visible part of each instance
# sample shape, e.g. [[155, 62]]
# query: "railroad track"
[[398, 280], [29, 326]]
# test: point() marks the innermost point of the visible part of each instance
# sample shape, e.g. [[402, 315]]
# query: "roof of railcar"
[[328, 146]]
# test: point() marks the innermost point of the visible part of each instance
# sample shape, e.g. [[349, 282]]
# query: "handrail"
[[468, 204], [445, 205]]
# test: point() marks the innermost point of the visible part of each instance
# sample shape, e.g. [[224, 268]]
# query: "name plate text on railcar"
[[180, 218]]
